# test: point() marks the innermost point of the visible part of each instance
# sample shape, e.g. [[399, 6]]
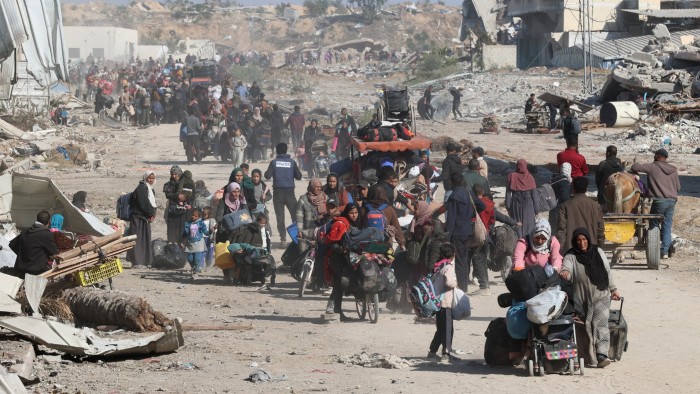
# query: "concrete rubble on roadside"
[[376, 360]]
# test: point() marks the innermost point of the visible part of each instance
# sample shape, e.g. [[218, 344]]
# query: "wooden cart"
[[631, 231]]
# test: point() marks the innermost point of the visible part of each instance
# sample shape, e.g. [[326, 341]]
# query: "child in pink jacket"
[[538, 248]]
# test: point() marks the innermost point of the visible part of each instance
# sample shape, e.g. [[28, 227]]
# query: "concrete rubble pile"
[[375, 360], [661, 67], [57, 143]]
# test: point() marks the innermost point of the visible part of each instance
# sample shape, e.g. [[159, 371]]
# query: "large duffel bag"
[[498, 344], [236, 219], [618, 333], [370, 278], [527, 283], [167, 255], [359, 240]]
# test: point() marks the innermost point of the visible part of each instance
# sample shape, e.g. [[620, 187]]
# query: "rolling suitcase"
[[618, 333]]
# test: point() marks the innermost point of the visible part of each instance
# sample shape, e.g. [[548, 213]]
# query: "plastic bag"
[[546, 306], [461, 307]]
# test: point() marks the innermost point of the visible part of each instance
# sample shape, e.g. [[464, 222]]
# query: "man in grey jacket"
[[663, 185]]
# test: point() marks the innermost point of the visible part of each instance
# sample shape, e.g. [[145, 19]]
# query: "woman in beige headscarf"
[[310, 208]]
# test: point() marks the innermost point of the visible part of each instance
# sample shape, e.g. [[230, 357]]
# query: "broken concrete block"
[[661, 31]]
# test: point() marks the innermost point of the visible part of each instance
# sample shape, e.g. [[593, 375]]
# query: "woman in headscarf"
[[311, 208], [586, 265], [143, 205], [539, 247], [521, 201], [233, 201], [376, 198], [175, 208], [261, 191], [247, 187], [337, 255], [79, 201], [335, 191], [62, 241], [561, 184]]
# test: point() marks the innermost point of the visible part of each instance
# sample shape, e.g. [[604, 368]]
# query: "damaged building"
[[552, 28]]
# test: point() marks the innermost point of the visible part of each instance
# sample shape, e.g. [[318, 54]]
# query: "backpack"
[[546, 198], [504, 240], [498, 344], [124, 209], [375, 217], [201, 202], [425, 299]]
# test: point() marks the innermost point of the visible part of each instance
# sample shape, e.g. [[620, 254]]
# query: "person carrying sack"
[[445, 281]]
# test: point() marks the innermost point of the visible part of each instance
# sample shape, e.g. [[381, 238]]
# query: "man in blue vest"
[[283, 171]]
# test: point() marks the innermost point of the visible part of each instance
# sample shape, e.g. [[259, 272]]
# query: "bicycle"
[[307, 266]]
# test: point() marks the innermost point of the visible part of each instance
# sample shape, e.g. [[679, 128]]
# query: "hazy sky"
[[257, 2]]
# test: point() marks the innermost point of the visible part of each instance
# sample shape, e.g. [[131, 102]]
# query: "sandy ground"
[[288, 337]]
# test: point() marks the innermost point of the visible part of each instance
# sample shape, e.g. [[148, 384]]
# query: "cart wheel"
[[540, 370], [361, 308], [531, 367], [380, 113], [572, 366], [653, 248], [581, 367], [372, 302]]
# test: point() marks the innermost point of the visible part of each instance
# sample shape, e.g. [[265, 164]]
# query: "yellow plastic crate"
[[99, 273]]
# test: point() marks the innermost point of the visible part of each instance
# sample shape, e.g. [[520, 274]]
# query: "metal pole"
[[583, 37]]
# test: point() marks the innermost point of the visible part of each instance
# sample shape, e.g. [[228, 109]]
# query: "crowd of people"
[[566, 243]]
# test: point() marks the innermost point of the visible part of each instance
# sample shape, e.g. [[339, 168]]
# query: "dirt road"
[[288, 337]]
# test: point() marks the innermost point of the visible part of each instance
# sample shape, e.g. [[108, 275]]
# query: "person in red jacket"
[[570, 155]]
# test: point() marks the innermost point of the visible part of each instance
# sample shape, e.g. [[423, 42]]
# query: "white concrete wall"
[[500, 57], [157, 52], [116, 42]]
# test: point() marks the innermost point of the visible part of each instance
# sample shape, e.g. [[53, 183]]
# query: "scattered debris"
[[262, 376], [376, 360], [84, 342]]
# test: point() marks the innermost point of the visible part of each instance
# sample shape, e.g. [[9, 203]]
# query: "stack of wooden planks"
[[88, 255]]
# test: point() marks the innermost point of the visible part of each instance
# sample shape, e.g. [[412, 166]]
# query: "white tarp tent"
[[23, 196], [12, 31]]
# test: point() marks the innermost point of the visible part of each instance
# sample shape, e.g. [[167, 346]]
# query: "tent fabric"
[[44, 51], [12, 32], [30, 194], [417, 142]]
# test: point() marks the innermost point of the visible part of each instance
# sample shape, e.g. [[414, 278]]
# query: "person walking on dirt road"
[[663, 185], [283, 171]]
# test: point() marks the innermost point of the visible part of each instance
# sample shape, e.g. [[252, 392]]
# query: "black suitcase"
[[618, 333]]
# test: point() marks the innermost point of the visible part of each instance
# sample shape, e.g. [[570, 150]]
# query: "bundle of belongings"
[[537, 297], [489, 124], [362, 257], [385, 131]]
